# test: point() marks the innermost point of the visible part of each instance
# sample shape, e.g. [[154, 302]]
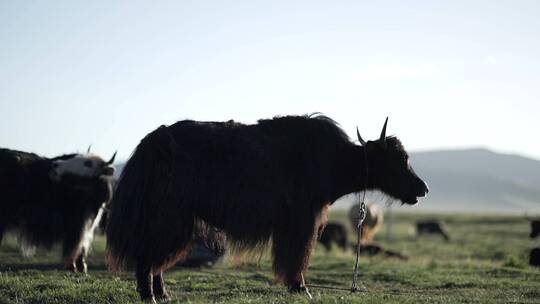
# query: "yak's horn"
[[88, 150], [112, 158], [383, 132], [363, 142]]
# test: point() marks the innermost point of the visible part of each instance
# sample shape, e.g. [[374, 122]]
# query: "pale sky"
[[449, 74]]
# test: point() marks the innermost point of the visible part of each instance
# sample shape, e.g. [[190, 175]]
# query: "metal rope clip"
[[361, 218]]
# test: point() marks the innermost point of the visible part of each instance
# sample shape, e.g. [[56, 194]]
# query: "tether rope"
[[361, 218]]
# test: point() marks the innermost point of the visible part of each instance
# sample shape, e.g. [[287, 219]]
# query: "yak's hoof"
[[151, 300], [82, 268], [297, 288], [163, 297], [71, 268]]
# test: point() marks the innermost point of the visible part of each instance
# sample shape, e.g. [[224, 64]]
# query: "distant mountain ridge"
[[474, 180], [479, 180]]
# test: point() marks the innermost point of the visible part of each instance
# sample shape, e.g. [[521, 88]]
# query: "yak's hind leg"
[[144, 282], [80, 252], [80, 261], [293, 240], [166, 249], [71, 250], [86, 241], [158, 285], [76, 246], [150, 286]]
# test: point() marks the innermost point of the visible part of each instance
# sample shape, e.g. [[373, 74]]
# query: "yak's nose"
[[425, 190], [108, 170]]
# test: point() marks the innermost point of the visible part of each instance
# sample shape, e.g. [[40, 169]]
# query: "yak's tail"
[[143, 181]]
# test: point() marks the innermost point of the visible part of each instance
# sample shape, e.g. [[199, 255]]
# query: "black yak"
[[333, 233], [372, 223], [535, 228], [54, 200], [269, 180], [431, 227]]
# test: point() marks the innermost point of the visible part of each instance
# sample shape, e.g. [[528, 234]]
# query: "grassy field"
[[485, 262]]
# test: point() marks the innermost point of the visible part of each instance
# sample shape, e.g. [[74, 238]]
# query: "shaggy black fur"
[[257, 182], [44, 212]]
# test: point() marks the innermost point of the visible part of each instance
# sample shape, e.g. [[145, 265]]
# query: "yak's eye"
[[88, 163]]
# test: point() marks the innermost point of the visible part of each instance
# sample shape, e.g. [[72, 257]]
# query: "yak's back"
[[315, 127], [312, 127], [289, 143], [190, 133], [13, 158], [25, 182], [19, 167]]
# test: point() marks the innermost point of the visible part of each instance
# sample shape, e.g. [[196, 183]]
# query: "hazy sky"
[[450, 74]]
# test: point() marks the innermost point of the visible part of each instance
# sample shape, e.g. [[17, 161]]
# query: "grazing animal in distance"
[[54, 200], [333, 233], [255, 183], [431, 227], [372, 249], [201, 255], [534, 257], [207, 250], [372, 223], [535, 228]]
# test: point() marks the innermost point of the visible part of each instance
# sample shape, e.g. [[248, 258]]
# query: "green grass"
[[485, 262]]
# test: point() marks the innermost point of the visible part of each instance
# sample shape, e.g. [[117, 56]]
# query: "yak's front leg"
[[293, 240], [159, 287]]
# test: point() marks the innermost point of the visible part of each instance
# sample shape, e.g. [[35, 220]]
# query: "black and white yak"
[[270, 180], [46, 201], [373, 222]]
